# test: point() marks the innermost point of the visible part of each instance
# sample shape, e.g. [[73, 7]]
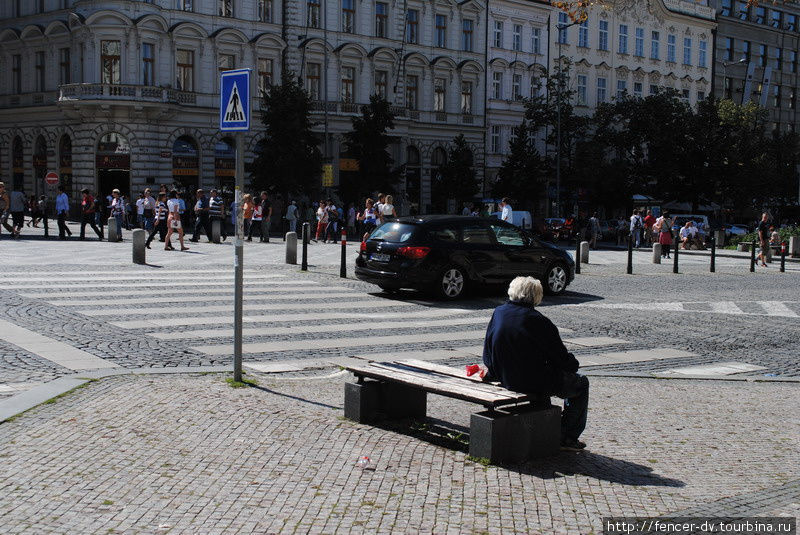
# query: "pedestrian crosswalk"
[[786, 309], [291, 317]]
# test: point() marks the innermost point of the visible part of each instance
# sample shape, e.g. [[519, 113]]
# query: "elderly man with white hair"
[[524, 351]]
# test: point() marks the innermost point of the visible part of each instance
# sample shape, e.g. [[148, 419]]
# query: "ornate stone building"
[[123, 93]]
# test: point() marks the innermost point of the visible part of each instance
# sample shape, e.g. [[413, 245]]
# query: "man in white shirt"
[[637, 224], [507, 213]]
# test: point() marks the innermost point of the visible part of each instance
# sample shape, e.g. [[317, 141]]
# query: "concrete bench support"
[[370, 400], [515, 435]]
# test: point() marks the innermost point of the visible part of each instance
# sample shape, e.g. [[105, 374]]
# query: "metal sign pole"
[[238, 246]]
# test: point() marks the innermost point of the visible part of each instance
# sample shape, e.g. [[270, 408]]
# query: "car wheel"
[[452, 283], [555, 280]]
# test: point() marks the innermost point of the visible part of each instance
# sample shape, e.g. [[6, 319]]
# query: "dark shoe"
[[193, 240], [572, 445], [147, 245]]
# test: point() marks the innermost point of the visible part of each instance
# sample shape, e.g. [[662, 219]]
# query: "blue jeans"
[[575, 393], [119, 218], [636, 236]]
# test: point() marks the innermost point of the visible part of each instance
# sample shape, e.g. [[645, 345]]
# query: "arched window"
[[17, 164], [65, 163], [225, 164], [39, 164], [439, 157], [186, 164], [113, 162]]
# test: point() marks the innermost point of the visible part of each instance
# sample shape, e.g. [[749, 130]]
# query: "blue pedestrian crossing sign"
[[234, 102]]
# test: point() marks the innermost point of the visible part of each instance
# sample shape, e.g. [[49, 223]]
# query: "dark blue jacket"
[[524, 351]]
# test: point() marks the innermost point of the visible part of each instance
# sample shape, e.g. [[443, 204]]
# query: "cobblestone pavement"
[[188, 454], [728, 316]]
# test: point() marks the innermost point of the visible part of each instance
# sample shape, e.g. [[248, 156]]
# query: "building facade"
[[124, 93], [756, 50], [637, 49], [517, 55]]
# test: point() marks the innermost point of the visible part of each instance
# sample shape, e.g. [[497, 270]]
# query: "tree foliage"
[[522, 176], [288, 161], [456, 178], [368, 143]]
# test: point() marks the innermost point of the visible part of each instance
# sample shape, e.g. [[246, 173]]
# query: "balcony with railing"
[[23, 100], [124, 92], [338, 108]]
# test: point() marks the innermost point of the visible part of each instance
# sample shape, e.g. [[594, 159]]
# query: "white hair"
[[525, 290]]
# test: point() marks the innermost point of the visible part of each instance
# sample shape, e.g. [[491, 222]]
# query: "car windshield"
[[393, 232]]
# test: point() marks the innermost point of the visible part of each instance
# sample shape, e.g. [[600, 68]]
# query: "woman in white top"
[[387, 210], [370, 218], [174, 221], [322, 219]]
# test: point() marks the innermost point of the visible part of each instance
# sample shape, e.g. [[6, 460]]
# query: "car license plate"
[[379, 257]]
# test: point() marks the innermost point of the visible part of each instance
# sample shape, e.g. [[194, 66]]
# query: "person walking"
[[118, 211], [5, 202], [369, 218], [88, 214], [388, 213], [174, 222], [16, 206], [322, 220], [35, 211], [257, 221], [594, 230], [266, 216], [247, 215], [160, 222], [62, 211], [649, 221], [148, 210], [507, 212], [763, 238], [291, 216], [216, 212], [201, 216], [664, 228], [636, 228]]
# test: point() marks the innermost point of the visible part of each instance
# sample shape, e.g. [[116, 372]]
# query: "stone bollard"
[[139, 238], [584, 252], [719, 237], [768, 253], [113, 231], [742, 247], [216, 230], [794, 246], [291, 247], [656, 253]]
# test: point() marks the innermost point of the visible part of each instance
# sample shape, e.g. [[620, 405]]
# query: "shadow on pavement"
[[486, 298]]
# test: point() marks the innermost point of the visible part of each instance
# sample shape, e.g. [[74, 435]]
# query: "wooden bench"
[[511, 428]]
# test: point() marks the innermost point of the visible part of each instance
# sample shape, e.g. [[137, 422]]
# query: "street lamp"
[[725, 65], [561, 28]]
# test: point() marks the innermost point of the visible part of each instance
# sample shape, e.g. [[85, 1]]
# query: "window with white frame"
[[16, 73], [536, 86], [494, 139], [110, 67], [602, 36], [412, 26], [702, 53], [225, 8], [498, 34], [40, 74], [687, 50], [638, 45], [439, 94], [264, 75], [653, 89], [622, 89], [701, 96], [265, 10], [623, 39], [348, 84], [184, 63], [313, 71], [602, 87], [638, 89], [581, 94], [516, 87], [497, 85], [381, 19], [536, 40], [441, 31], [466, 97], [466, 35], [655, 44], [185, 5], [148, 62], [562, 29], [412, 91], [381, 83], [65, 66], [226, 62], [516, 37], [583, 34], [671, 48], [312, 13], [348, 16]]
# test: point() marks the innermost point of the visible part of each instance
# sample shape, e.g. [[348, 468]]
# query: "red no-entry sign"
[[51, 178]]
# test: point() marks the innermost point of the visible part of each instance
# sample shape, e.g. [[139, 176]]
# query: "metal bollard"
[[657, 248], [783, 257], [343, 268], [713, 267], [139, 239], [304, 265], [291, 247], [675, 260], [630, 255], [753, 257], [578, 255]]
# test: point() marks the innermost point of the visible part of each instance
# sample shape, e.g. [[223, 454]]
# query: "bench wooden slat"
[[486, 394], [447, 370], [456, 381]]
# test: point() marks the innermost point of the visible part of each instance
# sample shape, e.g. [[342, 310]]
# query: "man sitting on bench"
[[524, 351]]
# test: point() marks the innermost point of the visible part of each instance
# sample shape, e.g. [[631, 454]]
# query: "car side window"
[[508, 235], [444, 235], [476, 235]]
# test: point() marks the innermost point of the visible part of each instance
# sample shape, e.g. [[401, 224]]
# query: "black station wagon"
[[447, 254]]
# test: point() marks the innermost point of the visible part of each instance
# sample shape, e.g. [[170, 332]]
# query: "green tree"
[[368, 143], [523, 174], [456, 178], [288, 161]]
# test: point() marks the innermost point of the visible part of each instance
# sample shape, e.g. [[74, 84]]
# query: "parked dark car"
[[447, 254]]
